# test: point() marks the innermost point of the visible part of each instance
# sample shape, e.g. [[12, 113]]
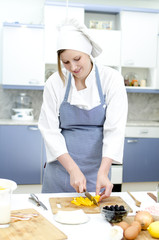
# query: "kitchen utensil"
[[36, 227], [157, 189], [6, 183], [113, 216], [23, 101], [152, 196], [137, 203], [5, 207], [37, 201], [22, 109], [64, 204], [25, 114], [90, 197]]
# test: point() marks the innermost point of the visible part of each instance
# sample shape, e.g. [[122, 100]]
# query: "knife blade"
[[90, 197], [37, 201], [152, 196]]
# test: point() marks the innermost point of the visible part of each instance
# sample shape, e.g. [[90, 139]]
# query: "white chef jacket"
[[116, 114]]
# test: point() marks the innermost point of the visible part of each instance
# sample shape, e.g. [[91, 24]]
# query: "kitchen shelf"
[[102, 8], [142, 90], [27, 87]]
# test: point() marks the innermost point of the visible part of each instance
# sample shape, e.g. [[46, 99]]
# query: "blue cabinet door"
[[20, 154], [141, 160]]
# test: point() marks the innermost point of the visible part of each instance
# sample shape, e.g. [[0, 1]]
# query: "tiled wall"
[[8, 97], [142, 106]]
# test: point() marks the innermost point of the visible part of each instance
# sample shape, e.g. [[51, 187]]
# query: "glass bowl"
[[113, 214]]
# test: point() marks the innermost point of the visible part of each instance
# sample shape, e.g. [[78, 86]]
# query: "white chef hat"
[[76, 36]]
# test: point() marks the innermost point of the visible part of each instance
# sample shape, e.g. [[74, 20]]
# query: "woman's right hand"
[[77, 180]]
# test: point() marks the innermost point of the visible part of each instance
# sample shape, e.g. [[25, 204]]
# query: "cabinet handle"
[[144, 132], [129, 62], [132, 141], [33, 128], [34, 81]]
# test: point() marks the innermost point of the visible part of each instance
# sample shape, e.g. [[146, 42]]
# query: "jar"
[[157, 193], [133, 77], [126, 80], [5, 207], [23, 101]]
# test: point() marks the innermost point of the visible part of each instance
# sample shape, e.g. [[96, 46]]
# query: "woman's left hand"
[[103, 180]]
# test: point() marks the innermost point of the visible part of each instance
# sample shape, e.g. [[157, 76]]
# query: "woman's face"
[[78, 63]]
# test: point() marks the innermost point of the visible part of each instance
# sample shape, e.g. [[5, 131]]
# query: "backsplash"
[[8, 97], [142, 106]]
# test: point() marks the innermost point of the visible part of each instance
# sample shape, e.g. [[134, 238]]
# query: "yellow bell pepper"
[[84, 201]]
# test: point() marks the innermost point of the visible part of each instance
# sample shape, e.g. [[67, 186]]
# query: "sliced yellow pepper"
[[84, 201]]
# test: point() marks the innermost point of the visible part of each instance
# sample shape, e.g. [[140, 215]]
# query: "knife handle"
[[152, 196]]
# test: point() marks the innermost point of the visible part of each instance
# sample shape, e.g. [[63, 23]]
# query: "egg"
[[123, 225], [131, 232], [135, 223]]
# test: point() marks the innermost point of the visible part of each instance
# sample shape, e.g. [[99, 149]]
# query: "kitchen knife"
[[87, 194], [37, 201], [152, 196]]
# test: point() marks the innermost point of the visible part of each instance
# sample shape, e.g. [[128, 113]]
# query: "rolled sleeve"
[[49, 124], [116, 117]]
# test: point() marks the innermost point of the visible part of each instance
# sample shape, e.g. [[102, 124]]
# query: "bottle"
[[126, 80], [143, 83]]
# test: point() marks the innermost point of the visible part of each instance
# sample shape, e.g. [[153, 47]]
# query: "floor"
[[134, 187]]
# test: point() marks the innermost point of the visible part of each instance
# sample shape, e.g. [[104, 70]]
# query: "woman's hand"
[[103, 180], [77, 180]]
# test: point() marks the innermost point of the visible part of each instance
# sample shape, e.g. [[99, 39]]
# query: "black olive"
[[116, 208], [121, 208], [112, 208]]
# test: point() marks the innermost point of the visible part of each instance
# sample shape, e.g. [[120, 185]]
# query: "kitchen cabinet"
[[23, 55], [21, 153], [139, 39], [110, 42], [53, 16], [105, 30], [141, 155], [157, 70]]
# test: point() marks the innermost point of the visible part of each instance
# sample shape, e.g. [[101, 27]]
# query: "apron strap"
[[68, 88], [99, 86]]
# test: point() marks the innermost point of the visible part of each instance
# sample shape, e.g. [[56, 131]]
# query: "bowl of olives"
[[113, 213]]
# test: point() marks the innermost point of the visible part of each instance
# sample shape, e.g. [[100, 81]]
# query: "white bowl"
[[6, 183]]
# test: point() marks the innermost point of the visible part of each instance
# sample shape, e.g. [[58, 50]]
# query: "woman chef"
[[83, 117]]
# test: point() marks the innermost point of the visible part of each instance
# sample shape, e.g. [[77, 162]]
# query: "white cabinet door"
[[110, 42], [23, 55], [53, 16], [157, 69], [139, 39]]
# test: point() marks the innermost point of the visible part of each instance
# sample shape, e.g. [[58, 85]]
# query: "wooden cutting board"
[[144, 234], [36, 228], [64, 204]]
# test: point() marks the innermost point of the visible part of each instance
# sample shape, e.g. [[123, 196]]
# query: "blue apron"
[[83, 133]]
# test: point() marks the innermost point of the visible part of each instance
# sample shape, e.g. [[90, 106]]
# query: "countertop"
[[96, 228], [17, 122], [142, 123]]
